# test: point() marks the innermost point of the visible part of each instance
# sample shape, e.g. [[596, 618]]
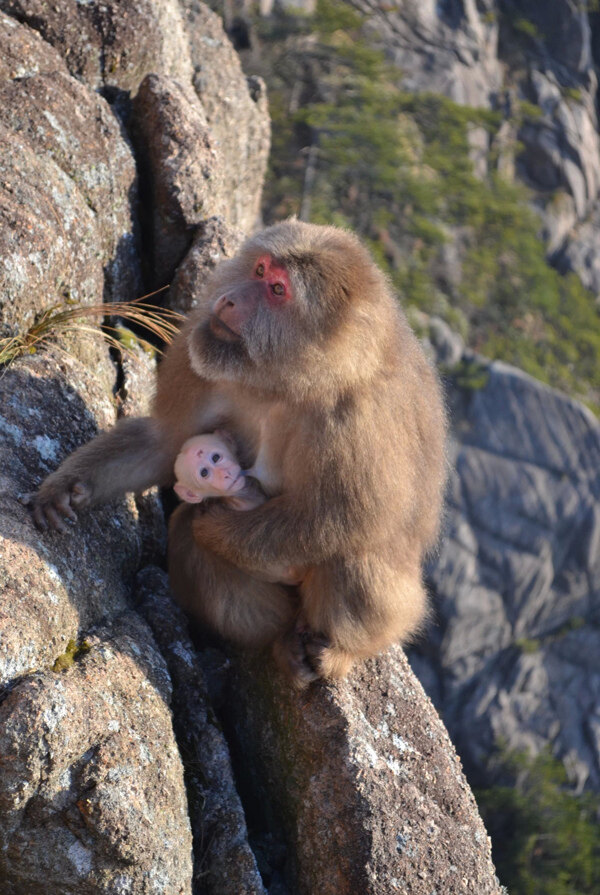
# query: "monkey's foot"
[[53, 504], [291, 656], [327, 660], [306, 656]]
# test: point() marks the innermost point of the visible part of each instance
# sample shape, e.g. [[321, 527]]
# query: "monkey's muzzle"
[[231, 311], [221, 331]]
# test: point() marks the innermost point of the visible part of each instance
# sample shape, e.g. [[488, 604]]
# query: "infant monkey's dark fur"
[[300, 350]]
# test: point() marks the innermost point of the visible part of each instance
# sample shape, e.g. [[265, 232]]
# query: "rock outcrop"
[[512, 658], [91, 782], [448, 48], [361, 778], [183, 169], [91, 778], [68, 186], [223, 859], [111, 45]]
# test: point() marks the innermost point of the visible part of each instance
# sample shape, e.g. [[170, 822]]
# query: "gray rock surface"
[[184, 170], [65, 123], [561, 148], [448, 48], [224, 862], [91, 784], [363, 780], [55, 586], [47, 235], [550, 64], [68, 187], [111, 44], [236, 110], [512, 658], [213, 242], [580, 251], [24, 53]]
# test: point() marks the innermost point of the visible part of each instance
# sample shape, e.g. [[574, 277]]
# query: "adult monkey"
[[299, 350]]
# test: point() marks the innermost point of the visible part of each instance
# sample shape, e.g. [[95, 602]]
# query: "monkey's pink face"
[[207, 469], [217, 472], [268, 285]]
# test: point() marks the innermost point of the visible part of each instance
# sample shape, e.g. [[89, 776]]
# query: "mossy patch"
[[73, 652]]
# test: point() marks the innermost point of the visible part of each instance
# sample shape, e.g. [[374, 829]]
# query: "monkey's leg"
[[240, 608], [352, 609], [130, 457]]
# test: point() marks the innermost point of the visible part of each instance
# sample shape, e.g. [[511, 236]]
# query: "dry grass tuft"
[[66, 319]]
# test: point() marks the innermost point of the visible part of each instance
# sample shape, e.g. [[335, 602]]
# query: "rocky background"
[[131, 760]]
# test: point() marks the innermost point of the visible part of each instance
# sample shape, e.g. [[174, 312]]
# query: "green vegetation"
[[546, 841], [528, 645], [73, 652], [469, 374], [524, 26], [350, 147]]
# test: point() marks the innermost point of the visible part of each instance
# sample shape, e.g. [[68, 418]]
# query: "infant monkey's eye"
[[215, 458], [204, 472], [260, 270]]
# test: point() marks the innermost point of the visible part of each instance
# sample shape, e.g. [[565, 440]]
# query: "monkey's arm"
[[281, 531], [130, 457]]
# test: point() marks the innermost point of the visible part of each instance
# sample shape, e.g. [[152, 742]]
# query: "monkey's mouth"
[[221, 331], [238, 483]]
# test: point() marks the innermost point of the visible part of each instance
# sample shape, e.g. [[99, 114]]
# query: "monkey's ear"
[[185, 494]]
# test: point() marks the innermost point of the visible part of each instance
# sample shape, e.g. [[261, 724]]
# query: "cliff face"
[[133, 152], [92, 786], [499, 54], [512, 656]]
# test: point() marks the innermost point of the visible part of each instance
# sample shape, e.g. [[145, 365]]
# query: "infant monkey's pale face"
[[207, 468]]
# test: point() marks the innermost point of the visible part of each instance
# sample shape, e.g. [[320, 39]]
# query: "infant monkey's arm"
[[207, 467]]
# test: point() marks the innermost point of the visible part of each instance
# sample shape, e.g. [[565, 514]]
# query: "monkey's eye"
[[260, 270], [204, 472], [278, 288], [215, 458]]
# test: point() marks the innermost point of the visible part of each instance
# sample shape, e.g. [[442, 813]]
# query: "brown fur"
[[332, 401]]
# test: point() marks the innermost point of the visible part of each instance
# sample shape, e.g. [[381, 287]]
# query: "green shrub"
[[545, 839]]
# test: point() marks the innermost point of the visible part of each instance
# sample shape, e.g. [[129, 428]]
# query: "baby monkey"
[[206, 467]]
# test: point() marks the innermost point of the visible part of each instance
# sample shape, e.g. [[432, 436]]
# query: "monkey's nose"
[[223, 302]]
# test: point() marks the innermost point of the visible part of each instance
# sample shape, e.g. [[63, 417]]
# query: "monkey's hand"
[[132, 456], [57, 500]]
